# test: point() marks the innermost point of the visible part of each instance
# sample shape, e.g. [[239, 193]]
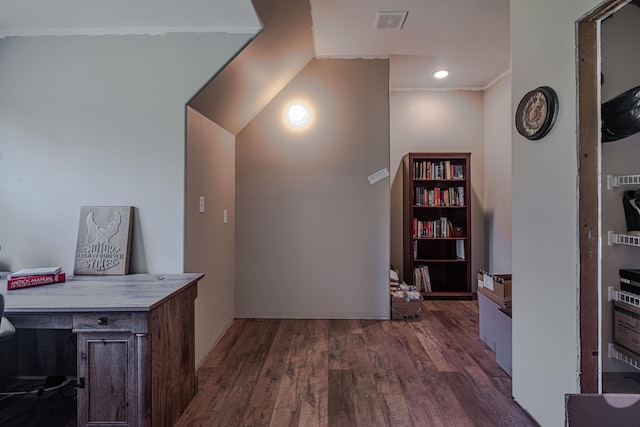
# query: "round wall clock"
[[537, 112]]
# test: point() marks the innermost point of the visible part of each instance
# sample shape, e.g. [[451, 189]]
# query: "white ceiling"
[[469, 37]]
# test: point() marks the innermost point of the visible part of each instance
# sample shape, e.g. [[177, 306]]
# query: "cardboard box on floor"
[[497, 291], [402, 309]]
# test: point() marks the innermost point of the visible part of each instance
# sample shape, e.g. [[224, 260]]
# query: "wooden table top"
[[132, 292]]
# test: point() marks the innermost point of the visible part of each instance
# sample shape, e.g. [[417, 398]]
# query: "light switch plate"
[[201, 207]]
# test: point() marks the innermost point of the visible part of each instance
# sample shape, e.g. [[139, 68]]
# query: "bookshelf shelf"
[[437, 224], [438, 207], [439, 238], [445, 295]]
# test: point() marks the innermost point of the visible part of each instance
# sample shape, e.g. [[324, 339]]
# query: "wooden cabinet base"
[[134, 349]]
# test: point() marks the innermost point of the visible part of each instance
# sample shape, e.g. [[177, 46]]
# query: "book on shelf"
[[421, 278], [417, 279], [449, 231], [460, 249], [20, 282], [424, 270]]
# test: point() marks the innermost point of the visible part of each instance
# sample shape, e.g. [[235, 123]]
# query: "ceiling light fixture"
[[298, 115], [440, 74]]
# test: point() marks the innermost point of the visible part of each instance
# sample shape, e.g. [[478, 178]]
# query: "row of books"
[[30, 277], [422, 278], [437, 228], [439, 196], [426, 169]]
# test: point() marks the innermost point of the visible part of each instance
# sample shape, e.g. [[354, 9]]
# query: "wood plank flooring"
[[56, 408], [352, 373]]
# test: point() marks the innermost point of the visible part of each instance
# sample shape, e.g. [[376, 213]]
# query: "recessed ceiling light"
[[440, 74]]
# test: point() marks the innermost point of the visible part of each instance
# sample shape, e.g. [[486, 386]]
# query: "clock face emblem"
[[536, 113]]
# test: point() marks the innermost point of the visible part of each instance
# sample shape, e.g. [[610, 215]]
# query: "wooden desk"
[[135, 342]]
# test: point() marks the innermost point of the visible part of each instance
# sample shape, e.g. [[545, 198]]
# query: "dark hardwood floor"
[[433, 372], [55, 408]]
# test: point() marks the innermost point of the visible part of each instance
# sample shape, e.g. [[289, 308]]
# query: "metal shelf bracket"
[[614, 181]]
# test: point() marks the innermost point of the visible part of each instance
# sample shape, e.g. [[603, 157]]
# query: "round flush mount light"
[[298, 115], [440, 74]]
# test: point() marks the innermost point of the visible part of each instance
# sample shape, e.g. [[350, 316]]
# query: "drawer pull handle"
[[103, 321]]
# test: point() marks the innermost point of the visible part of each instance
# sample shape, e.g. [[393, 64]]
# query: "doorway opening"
[[589, 167]]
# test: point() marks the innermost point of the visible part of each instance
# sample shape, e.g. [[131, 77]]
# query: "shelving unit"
[[437, 223], [625, 300]]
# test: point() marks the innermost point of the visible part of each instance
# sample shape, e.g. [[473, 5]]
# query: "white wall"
[[497, 175], [619, 48], [98, 121], [312, 235], [425, 121], [544, 209], [209, 242]]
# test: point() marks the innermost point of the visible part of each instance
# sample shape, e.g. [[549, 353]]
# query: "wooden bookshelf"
[[437, 224]]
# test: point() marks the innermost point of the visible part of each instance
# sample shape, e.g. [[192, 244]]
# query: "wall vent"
[[390, 20]]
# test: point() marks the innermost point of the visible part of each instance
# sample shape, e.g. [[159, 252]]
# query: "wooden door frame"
[[588, 41]]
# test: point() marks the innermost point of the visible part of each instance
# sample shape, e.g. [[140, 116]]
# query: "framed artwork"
[[104, 240]]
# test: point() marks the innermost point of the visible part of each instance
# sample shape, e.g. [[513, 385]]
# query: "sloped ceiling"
[[263, 68], [471, 38]]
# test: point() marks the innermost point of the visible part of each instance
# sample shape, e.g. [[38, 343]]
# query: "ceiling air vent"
[[390, 20]]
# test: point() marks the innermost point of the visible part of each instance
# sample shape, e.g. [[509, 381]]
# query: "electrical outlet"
[[201, 207]]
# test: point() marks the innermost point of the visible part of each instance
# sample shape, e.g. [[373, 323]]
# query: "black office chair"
[[6, 328]]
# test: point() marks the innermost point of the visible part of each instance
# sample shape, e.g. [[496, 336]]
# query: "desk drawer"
[[104, 322]]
